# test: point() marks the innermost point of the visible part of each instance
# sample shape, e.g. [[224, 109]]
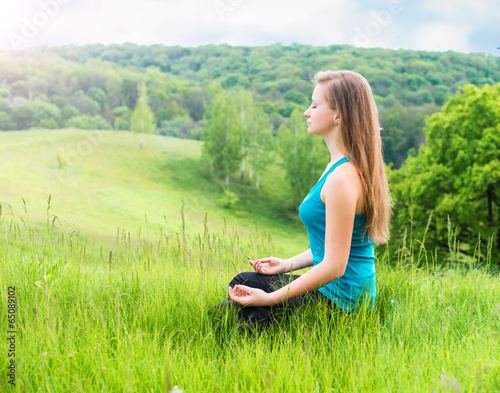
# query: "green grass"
[[137, 321], [107, 310], [109, 184]]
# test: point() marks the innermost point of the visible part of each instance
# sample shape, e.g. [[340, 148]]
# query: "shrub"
[[228, 199]]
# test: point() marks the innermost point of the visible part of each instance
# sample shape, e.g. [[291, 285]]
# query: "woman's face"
[[320, 118]]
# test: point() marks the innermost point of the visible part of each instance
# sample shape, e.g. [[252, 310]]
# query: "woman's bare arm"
[[341, 196], [298, 262]]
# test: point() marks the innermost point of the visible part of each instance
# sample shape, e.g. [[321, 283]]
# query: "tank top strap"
[[339, 162]]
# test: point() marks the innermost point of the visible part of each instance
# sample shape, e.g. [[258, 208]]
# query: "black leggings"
[[269, 283]]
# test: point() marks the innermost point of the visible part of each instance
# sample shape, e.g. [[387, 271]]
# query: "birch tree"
[[222, 138], [142, 119], [248, 117], [262, 145]]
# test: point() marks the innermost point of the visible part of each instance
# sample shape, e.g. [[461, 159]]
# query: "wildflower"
[[70, 355]]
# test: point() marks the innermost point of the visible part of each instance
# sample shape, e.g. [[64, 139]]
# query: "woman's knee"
[[242, 278]]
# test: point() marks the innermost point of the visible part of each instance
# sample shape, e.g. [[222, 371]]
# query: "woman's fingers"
[[232, 294], [243, 290], [255, 265], [249, 296], [238, 291], [257, 262], [261, 268], [261, 265]]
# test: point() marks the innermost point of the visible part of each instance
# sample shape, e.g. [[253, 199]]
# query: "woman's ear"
[[336, 119]]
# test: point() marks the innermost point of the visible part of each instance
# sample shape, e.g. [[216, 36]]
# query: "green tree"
[[84, 104], [19, 89], [99, 96], [402, 130], [248, 117], [36, 114], [179, 127], [129, 90], [262, 145], [305, 156], [172, 110], [457, 174], [67, 112], [88, 122], [222, 147], [142, 119], [195, 103], [122, 118], [6, 122]]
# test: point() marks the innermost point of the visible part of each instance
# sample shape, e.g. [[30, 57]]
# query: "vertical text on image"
[[11, 334]]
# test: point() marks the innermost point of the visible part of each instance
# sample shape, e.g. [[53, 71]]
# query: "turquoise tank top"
[[358, 282]]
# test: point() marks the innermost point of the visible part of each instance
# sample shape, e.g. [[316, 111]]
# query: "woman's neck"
[[335, 153]]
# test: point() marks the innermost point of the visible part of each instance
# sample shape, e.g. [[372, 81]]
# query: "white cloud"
[[323, 22], [145, 22], [443, 37], [172, 22], [464, 9], [254, 22]]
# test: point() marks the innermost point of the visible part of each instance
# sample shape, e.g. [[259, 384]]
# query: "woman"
[[345, 213]]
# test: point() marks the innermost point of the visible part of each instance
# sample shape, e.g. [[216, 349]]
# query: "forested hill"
[[96, 86]]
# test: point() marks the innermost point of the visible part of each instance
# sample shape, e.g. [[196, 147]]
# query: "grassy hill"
[[142, 325], [101, 182]]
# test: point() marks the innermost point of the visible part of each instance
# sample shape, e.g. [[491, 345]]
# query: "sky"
[[432, 25]]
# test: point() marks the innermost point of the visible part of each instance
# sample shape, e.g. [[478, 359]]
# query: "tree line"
[[97, 86], [447, 195], [442, 154]]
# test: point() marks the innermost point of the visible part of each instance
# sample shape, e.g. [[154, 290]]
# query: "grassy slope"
[[109, 183], [141, 325]]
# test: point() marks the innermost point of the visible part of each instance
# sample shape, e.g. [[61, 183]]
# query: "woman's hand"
[[269, 265], [248, 296]]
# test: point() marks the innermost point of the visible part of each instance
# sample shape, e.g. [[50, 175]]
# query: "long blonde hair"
[[349, 94]]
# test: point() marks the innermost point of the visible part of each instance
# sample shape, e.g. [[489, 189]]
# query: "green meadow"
[[106, 184], [112, 294]]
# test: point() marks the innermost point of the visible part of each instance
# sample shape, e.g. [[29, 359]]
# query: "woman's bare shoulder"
[[346, 176], [345, 173]]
